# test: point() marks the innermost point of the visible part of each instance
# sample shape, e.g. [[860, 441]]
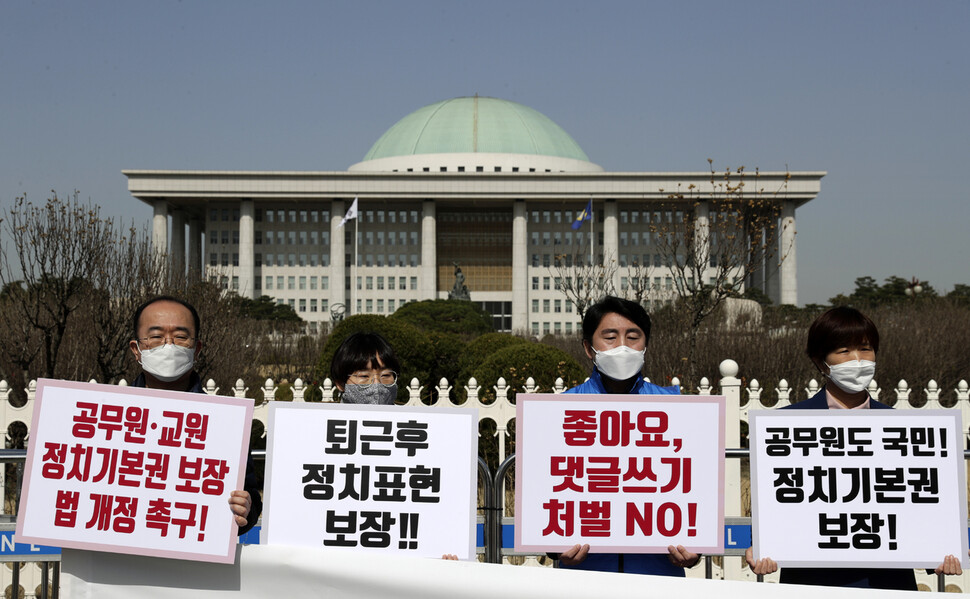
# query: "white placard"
[[133, 470], [851, 488], [372, 478], [624, 473]]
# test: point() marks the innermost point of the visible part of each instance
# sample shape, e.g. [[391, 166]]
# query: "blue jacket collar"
[[597, 379]]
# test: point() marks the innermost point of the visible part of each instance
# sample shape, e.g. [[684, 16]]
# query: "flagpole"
[[591, 230], [353, 280]]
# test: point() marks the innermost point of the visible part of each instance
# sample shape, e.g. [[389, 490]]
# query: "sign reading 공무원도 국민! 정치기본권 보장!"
[[858, 488], [372, 478], [624, 473], [131, 470]]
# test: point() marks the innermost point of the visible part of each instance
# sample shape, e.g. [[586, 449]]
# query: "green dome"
[[476, 125]]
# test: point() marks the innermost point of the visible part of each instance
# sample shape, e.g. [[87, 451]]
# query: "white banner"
[[629, 473], [848, 488], [372, 478], [134, 470], [278, 571]]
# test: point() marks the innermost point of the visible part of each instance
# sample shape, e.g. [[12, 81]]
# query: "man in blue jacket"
[[166, 343], [615, 336]]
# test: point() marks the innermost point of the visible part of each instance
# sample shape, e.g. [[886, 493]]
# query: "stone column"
[[772, 288], [757, 277], [786, 253], [160, 227], [611, 244], [520, 267], [338, 256], [178, 240], [429, 252], [195, 249], [702, 241], [247, 245]]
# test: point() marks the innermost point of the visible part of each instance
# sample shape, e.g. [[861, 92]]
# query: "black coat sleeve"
[[251, 485]]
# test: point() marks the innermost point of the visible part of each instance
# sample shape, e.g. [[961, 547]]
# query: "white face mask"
[[168, 362], [852, 376], [620, 363]]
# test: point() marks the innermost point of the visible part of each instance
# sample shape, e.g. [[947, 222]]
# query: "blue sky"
[[876, 93]]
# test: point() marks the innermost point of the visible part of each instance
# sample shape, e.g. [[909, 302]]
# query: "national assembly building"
[[484, 185]]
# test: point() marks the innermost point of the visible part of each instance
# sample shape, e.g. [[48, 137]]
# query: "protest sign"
[[372, 478], [134, 470], [858, 488], [624, 473]]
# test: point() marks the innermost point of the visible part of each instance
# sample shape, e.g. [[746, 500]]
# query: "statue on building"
[[337, 313], [459, 290]]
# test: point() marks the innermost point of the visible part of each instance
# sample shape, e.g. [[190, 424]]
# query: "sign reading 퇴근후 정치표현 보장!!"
[[372, 478]]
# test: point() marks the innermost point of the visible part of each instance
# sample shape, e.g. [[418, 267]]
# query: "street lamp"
[[914, 288]]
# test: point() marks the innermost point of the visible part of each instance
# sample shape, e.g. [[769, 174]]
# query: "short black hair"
[[357, 352], [610, 304], [837, 327], [165, 298]]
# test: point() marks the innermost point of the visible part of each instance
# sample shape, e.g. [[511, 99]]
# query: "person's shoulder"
[[651, 389], [815, 402]]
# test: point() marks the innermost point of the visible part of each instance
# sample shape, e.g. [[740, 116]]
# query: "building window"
[[535, 305], [324, 283], [390, 305], [302, 283], [535, 329], [313, 283], [370, 306], [545, 328], [313, 302], [302, 305], [558, 306], [414, 283], [380, 282], [279, 282], [235, 259], [380, 306], [213, 259], [213, 237], [545, 306], [225, 259], [535, 283]]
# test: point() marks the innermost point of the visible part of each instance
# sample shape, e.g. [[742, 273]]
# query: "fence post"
[[731, 390], [902, 395]]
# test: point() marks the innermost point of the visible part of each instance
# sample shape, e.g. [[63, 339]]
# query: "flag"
[[583, 216], [351, 214]]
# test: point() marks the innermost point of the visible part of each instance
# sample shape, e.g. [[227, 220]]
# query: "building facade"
[[485, 184]]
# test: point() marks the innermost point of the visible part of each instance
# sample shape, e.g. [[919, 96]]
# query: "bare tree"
[[130, 274], [712, 241], [582, 281], [56, 249]]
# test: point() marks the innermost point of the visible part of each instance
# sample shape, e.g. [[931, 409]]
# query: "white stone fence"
[[740, 402]]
